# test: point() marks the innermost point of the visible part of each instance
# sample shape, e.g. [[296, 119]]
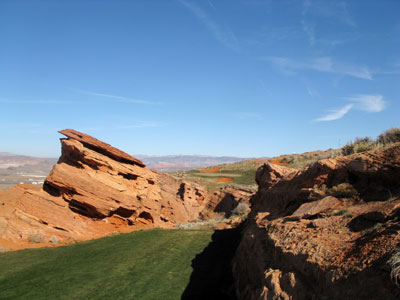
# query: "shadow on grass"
[[212, 269]]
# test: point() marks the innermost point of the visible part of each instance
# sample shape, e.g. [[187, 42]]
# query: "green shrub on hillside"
[[343, 190], [340, 212], [365, 144], [344, 212], [376, 227], [359, 145], [389, 136], [348, 149]]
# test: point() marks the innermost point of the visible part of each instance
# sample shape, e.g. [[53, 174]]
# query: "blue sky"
[[249, 78]]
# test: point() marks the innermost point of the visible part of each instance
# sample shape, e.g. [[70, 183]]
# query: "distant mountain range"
[[16, 168], [171, 163], [11, 160]]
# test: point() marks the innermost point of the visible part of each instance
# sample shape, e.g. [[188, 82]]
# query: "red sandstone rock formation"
[[323, 233], [223, 201], [94, 190], [101, 147]]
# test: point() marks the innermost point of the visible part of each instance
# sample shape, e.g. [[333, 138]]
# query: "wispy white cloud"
[[222, 34], [6, 101], [309, 31], [316, 11], [267, 35], [117, 98], [336, 114], [337, 10], [247, 115], [211, 4], [312, 92], [114, 98], [369, 103], [321, 64], [102, 95], [307, 28]]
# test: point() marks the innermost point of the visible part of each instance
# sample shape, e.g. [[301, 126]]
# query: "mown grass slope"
[[154, 264], [242, 173]]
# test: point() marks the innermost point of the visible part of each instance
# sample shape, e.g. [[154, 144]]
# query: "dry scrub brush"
[[241, 209], [394, 263], [389, 136], [365, 144]]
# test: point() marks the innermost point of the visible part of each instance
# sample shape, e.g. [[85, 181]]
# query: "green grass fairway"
[[243, 175], [153, 264]]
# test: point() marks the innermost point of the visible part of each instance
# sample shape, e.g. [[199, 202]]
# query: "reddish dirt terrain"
[[325, 232], [275, 161], [95, 190], [278, 162], [224, 179]]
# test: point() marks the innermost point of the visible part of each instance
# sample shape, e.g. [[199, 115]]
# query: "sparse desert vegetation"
[[126, 266], [200, 150], [242, 174], [241, 210], [366, 143], [389, 136], [394, 263]]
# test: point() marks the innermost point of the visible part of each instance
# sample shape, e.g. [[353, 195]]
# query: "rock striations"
[[325, 232], [94, 190]]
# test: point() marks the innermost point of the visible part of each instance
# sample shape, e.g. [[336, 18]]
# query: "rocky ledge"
[[94, 190], [326, 232]]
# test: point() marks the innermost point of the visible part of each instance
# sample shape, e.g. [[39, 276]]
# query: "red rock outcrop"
[[223, 201], [98, 186], [94, 190], [325, 232], [30, 218], [101, 147]]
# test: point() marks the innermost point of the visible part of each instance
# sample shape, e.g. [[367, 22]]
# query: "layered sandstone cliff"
[[94, 190], [326, 232]]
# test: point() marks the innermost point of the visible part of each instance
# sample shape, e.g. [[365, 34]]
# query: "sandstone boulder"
[[315, 208], [101, 147], [94, 190]]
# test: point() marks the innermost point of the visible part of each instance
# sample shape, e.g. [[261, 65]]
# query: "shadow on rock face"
[[226, 205], [212, 269]]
